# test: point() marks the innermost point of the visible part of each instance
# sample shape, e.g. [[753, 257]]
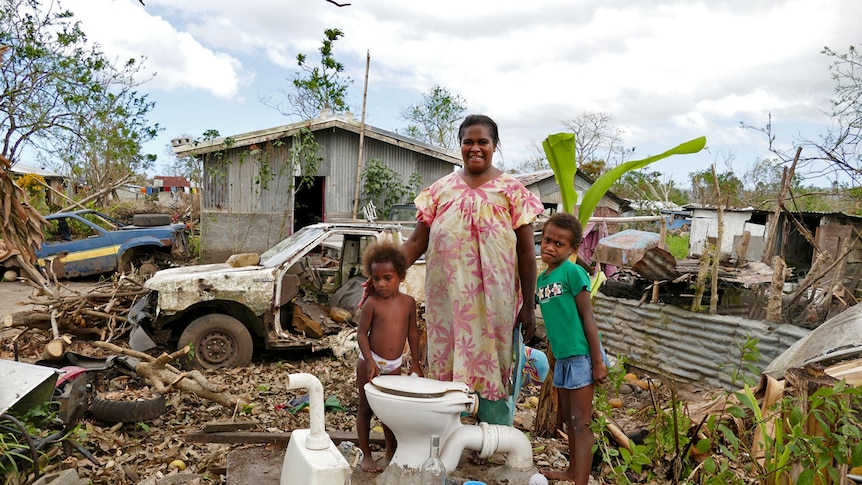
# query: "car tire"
[[142, 259], [111, 411], [218, 341], [147, 266], [150, 220]]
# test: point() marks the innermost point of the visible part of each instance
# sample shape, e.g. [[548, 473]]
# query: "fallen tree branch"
[[165, 377]]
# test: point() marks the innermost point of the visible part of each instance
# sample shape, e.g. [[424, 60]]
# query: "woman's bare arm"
[[526, 249], [417, 243]]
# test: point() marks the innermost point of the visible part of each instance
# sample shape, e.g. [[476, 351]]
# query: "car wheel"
[[115, 411], [143, 260], [147, 268], [218, 341]]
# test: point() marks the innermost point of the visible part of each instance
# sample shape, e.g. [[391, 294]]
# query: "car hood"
[[200, 270], [180, 288]]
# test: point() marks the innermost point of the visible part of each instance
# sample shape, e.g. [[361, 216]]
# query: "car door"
[[77, 246]]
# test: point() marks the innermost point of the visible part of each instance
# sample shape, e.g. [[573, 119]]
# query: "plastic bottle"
[[433, 472]]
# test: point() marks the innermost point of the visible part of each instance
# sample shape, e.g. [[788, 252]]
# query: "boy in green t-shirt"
[[563, 293]]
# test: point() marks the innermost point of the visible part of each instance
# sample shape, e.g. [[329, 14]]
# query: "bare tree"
[[64, 102], [840, 145], [837, 151], [535, 161], [596, 138], [598, 145]]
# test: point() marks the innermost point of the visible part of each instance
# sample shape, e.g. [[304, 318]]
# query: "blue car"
[[86, 242]]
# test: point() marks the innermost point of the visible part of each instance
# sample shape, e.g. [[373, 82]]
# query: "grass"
[[678, 246]]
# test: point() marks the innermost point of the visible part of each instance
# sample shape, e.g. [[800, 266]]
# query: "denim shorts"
[[576, 371]]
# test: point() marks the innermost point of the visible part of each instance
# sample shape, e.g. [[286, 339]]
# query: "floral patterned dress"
[[472, 290]]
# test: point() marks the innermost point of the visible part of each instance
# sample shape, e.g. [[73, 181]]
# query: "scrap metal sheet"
[[686, 346], [838, 338], [25, 385]]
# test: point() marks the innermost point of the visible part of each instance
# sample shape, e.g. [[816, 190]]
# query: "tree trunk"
[[548, 417], [773, 306]]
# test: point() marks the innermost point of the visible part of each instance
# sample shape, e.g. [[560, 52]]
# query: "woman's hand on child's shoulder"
[[367, 291]]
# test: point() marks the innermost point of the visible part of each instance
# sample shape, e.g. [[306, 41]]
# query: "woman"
[[475, 228]]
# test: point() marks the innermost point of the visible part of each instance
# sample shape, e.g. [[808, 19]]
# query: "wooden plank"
[[850, 371], [251, 437], [216, 427], [844, 368]]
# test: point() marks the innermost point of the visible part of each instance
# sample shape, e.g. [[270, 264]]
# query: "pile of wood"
[[98, 313]]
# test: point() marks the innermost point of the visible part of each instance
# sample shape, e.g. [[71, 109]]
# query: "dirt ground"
[[14, 295], [145, 452]]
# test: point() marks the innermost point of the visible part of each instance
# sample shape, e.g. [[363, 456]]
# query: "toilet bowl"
[[414, 408]]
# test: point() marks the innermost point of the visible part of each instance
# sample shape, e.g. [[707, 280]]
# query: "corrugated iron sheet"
[[657, 264], [686, 346]]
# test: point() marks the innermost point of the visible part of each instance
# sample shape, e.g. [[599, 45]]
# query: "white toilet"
[[414, 408]]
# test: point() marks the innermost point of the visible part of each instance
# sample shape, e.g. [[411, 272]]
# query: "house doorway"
[[308, 203]]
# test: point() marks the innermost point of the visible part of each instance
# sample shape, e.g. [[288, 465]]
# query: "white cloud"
[[124, 29], [667, 71]]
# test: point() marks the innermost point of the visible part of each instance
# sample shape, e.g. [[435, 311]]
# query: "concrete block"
[[64, 477]]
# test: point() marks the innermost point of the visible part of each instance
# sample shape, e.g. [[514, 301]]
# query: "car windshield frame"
[[279, 253]]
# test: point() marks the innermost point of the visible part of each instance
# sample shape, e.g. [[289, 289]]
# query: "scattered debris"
[[165, 378]]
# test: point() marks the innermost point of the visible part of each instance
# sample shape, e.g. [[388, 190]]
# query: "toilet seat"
[[417, 387]]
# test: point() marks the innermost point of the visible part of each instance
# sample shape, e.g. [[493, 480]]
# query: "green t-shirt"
[[556, 293]]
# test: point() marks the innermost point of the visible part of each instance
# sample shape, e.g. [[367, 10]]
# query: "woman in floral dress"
[[477, 235]]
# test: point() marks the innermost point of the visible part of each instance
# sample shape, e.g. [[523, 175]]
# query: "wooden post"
[[662, 244], [547, 414], [713, 299], [361, 139], [773, 306], [700, 280], [786, 181], [742, 250]]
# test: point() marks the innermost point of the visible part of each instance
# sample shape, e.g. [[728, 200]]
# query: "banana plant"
[[560, 150]]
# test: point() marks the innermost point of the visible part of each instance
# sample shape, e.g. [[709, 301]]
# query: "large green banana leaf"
[[560, 150], [595, 193]]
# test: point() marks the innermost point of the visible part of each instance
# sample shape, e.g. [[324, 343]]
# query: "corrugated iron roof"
[[23, 168], [533, 177], [185, 147], [686, 346]]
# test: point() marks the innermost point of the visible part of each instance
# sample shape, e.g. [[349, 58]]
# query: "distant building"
[[248, 199], [171, 184], [799, 236], [52, 178]]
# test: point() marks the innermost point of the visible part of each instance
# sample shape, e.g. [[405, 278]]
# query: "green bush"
[[678, 246]]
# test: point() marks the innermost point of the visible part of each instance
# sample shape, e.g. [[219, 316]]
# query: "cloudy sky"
[[667, 71]]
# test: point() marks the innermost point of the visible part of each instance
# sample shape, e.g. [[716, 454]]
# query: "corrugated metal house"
[[543, 184], [248, 201]]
